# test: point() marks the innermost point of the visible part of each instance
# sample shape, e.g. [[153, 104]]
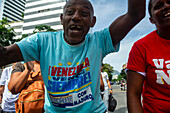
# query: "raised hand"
[[30, 65]]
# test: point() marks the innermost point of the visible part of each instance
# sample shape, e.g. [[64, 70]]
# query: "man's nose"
[[76, 16], [165, 7]]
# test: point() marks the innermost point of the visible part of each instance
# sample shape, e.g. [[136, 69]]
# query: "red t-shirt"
[[151, 55]]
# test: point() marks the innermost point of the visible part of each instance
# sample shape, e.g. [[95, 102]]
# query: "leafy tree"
[[22, 15], [24, 36], [7, 33], [109, 69], [119, 77], [43, 28], [114, 80], [40, 28], [123, 74]]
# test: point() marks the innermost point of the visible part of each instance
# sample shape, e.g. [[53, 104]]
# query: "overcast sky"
[[0, 4], [108, 10]]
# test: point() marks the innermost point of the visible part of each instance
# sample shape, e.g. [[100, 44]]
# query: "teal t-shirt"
[[71, 73]]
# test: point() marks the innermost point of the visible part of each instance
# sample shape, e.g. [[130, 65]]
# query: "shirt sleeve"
[[19, 67], [136, 60], [4, 76], [30, 48], [105, 42], [107, 75]]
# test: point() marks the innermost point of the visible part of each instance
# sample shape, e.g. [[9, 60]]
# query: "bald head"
[[86, 3]]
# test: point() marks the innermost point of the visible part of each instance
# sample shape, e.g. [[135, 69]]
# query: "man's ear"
[[151, 20], [61, 19], [93, 21]]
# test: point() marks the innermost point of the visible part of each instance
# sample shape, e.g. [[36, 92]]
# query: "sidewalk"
[[117, 88], [120, 96]]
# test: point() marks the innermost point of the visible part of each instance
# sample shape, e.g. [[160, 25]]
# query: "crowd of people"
[[71, 60]]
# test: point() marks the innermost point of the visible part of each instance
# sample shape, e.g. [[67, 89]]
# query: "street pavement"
[[120, 96]]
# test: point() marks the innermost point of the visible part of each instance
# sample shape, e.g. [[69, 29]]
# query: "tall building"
[[18, 28], [12, 9], [38, 12]]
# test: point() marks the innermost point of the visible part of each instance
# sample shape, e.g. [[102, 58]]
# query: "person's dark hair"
[[150, 7]]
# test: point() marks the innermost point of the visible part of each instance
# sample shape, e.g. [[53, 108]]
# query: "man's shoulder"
[[45, 35], [99, 32], [50, 32]]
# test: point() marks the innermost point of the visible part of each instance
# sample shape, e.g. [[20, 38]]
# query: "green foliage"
[[114, 80], [120, 77], [123, 74], [109, 69], [43, 28], [19, 39], [24, 36], [22, 15], [40, 28], [7, 33]]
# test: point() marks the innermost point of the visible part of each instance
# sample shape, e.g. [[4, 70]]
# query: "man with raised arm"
[[71, 59]]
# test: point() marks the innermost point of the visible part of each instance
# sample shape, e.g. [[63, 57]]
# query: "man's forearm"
[[2, 55], [136, 8], [10, 54]]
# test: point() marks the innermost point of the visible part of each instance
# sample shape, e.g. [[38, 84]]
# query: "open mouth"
[[167, 15], [75, 28]]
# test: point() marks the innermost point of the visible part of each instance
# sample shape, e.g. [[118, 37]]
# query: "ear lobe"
[[151, 20], [61, 19], [93, 21]]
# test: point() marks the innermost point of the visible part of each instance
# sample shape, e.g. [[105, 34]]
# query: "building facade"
[[13, 10], [42, 12], [24, 15], [18, 28]]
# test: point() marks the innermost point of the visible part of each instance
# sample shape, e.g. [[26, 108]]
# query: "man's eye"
[[168, 1], [70, 12], [158, 6], [84, 13]]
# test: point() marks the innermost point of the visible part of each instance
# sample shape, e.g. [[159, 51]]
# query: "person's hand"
[[30, 66]]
